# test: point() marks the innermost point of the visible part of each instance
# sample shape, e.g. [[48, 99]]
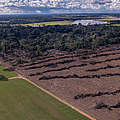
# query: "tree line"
[[36, 41]]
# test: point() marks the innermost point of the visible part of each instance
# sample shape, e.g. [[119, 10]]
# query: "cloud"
[[44, 6]]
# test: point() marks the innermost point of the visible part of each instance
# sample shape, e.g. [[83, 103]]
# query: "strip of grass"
[[21, 101], [115, 24], [4, 21], [51, 23], [6, 73]]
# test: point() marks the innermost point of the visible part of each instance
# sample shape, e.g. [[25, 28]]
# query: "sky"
[[58, 6]]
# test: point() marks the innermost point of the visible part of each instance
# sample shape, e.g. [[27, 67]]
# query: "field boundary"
[[54, 96]]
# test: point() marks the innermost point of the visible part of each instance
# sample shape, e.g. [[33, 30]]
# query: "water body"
[[89, 22]]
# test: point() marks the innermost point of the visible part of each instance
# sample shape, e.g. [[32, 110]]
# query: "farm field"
[[50, 23], [21, 101], [85, 81], [116, 24]]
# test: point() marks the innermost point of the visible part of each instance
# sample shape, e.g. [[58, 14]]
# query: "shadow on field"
[[108, 60], [3, 78], [52, 65], [60, 69], [81, 77], [82, 96], [103, 68]]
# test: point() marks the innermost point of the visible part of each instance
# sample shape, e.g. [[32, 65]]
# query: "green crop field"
[[19, 100], [4, 21], [51, 23], [115, 24]]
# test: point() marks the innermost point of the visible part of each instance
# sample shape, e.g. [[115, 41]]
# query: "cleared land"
[[50, 23], [21, 101]]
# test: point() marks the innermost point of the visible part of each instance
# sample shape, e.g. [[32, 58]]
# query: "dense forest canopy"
[[69, 38]]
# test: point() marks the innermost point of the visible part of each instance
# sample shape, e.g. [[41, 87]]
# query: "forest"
[[36, 41]]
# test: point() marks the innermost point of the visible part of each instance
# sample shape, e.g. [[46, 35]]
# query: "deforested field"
[[19, 100], [87, 80]]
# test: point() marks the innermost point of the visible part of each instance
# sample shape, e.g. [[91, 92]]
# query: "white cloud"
[[20, 6]]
